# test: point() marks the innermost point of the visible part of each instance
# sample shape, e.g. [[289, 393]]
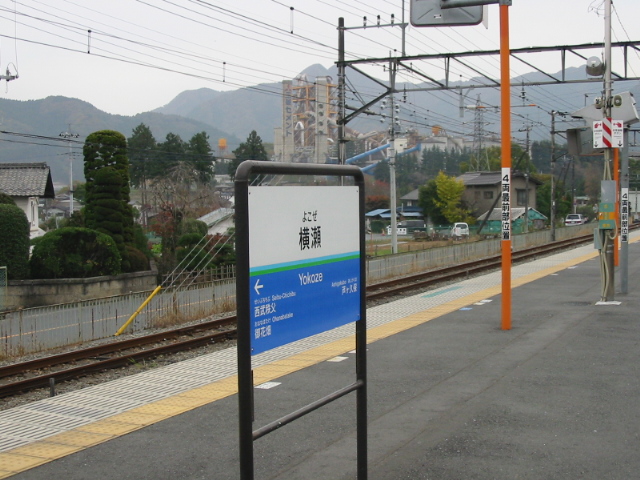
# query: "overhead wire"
[[236, 81]]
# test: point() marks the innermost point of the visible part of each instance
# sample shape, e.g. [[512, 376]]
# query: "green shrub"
[[138, 261], [6, 199], [191, 225], [189, 257], [190, 240], [140, 240], [14, 241], [75, 253]]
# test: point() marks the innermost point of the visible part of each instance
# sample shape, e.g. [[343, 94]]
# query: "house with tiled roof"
[[482, 189], [26, 183]]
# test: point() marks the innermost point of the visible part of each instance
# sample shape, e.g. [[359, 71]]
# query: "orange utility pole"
[[505, 132]]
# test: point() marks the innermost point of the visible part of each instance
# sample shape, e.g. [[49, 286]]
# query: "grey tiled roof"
[[26, 180], [481, 178], [490, 178]]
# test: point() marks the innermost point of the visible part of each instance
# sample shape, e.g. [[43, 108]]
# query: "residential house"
[[482, 190], [26, 183]]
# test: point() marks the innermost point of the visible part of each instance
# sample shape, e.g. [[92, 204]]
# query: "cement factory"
[[309, 131]]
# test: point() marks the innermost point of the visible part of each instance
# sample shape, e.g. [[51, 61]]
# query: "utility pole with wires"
[[607, 234], [68, 136], [478, 130], [527, 173], [392, 155], [552, 206]]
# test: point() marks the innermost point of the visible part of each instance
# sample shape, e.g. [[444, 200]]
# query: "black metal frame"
[[245, 377]]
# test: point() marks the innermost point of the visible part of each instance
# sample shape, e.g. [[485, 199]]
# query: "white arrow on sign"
[[257, 287]]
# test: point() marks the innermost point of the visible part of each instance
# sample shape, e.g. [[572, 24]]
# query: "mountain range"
[[31, 129]]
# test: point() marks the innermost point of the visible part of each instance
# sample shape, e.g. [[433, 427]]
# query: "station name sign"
[[304, 262]]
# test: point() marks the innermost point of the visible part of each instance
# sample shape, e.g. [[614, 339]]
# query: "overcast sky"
[[131, 56]]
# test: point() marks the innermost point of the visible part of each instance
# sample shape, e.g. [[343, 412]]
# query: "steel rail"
[[43, 380]]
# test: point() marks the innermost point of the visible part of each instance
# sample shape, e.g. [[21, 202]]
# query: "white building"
[[26, 183]]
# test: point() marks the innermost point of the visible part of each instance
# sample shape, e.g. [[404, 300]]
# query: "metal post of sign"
[[273, 270], [245, 382]]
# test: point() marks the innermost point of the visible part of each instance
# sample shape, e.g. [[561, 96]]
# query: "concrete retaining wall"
[[36, 293]]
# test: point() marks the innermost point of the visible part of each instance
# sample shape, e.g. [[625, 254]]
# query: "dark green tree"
[[251, 149], [543, 199], [105, 148], [192, 252], [106, 170], [381, 172], [142, 152], [75, 253], [14, 241], [541, 155], [409, 173], [199, 155], [171, 152], [433, 161], [80, 192]]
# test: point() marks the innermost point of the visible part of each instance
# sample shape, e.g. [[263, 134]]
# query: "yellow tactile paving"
[[5, 474], [109, 427], [209, 393], [46, 450], [275, 370], [77, 438], [157, 409], [18, 463], [137, 418], [183, 401]]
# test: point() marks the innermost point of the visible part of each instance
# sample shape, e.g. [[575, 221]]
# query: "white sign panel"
[[290, 224], [624, 214], [304, 262], [617, 131], [505, 214], [597, 134], [608, 133]]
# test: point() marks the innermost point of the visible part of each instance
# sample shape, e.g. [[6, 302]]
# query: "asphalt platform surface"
[[457, 397]]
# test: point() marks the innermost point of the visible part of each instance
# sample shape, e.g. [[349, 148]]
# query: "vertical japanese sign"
[[304, 262], [505, 213], [624, 214]]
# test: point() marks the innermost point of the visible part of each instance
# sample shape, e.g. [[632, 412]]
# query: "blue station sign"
[[304, 262]]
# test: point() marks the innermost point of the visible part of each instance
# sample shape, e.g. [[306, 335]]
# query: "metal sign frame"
[[247, 435]]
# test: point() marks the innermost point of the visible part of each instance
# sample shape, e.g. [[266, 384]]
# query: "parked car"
[[574, 219], [459, 230], [408, 227]]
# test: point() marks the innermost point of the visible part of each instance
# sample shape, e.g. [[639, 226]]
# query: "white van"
[[459, 231]]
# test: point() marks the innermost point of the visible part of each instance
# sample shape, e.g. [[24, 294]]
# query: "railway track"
[[22, 377], [429, 278]]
